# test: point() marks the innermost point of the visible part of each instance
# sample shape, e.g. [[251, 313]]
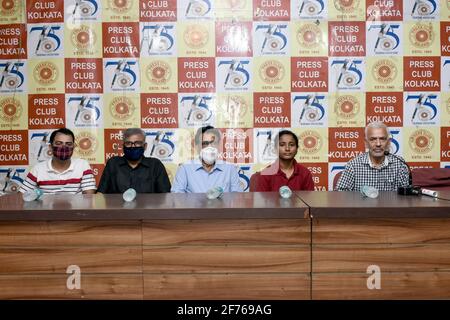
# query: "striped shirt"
[[75, 179]]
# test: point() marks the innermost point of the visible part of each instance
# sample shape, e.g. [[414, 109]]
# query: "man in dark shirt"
[[134, 170]]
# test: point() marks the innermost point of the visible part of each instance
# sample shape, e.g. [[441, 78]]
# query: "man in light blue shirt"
[[206, 173]]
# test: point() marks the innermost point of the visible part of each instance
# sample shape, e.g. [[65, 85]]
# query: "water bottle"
[[370, 192], [129, 195], [214, 193], [32, 195], [285, 192]]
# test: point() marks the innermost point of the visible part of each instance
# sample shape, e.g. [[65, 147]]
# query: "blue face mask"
[[133, 153]]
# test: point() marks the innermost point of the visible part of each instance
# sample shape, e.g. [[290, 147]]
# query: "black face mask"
[[133, 153]]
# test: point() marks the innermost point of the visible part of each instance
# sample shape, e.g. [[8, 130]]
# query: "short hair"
[[377, 125], [284, 132], [65, 131], [202, 130], [131, 132]]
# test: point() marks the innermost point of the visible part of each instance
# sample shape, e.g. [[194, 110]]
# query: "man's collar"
[[51, 169], [143, 162], [368, 161], [217, 166]]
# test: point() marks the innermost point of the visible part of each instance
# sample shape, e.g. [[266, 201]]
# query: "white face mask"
[[209, 155]]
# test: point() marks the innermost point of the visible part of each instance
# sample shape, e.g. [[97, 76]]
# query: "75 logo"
[[311, 107], [269, 150], [161, 146], [423, 8], [12, 179], [244, 177], [48, 42], [424, 107], [41, 143], [395, 144], [11, 78], [310, 8], [85, 8], [349, 73], [124, 76], [157, 39], [199, 110], [88, 112], [198, 8], [236, 74], [275, 39], [387, 39]]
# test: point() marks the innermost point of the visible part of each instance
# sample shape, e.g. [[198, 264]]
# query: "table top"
[[252, 205], [338, 204]]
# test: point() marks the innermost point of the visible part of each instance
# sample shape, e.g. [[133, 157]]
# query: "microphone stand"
[[408, 190]]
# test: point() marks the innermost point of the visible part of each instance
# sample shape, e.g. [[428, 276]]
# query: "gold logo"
[[122, 108], [272, 71], [310, 142], [421, 141], [196, 36], [120, 6], [10, 109], [83, 38], [384, 71], [9, 7], [86, 144], [346, 107], [158, 72], [46, 73], [346, 6], [309, 35], [422, 35]]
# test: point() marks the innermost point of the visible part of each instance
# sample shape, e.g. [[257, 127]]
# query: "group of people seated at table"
[[62, 173]]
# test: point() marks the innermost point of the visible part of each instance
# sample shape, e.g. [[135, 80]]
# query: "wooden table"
[[407, 237], [162, 246], [245, 246]]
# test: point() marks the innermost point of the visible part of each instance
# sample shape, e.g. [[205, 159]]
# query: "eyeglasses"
[[207, 143], [60, 143], [135, 143]]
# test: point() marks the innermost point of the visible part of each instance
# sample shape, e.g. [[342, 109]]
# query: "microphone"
[[409, 189]]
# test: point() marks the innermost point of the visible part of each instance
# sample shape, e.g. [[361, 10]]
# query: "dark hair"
[[284, 132], [202, 130], [65, 131]]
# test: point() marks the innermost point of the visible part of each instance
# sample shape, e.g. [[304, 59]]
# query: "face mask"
[[62, 152], [133, 153], [209, 155]]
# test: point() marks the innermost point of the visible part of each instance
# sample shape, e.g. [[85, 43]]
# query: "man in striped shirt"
[[61, 174]]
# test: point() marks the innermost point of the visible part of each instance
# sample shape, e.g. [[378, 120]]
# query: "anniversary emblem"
[[310, 142], [421, 141], [346, 107], [158, 72], [196, 36], [122, 108], [384, 71], [272, 72], [45, 73], [10, 109]]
